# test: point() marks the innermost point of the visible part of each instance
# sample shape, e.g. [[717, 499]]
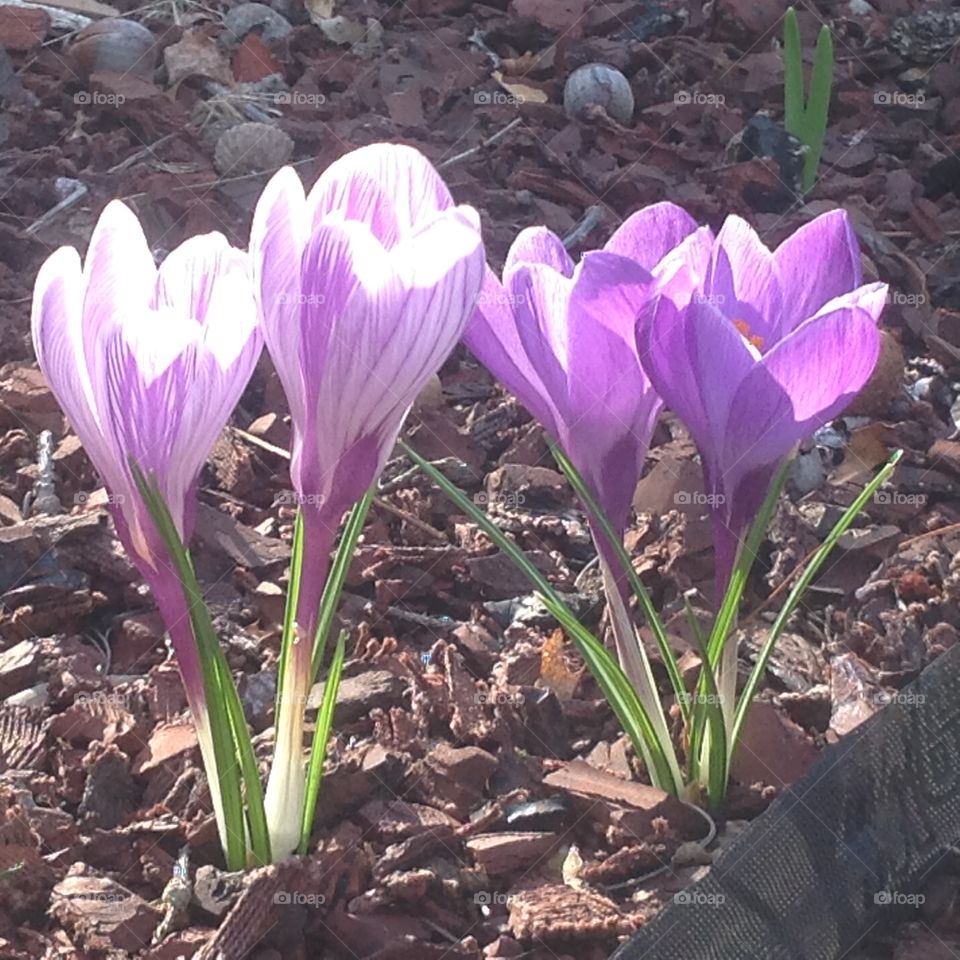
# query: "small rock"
[[108, 796], [114, 45], [18, 667], [598, 85], [216, 890], [885, 382], [244, 17], [167, 742], [503, 853], [557, 914], [360, 694]]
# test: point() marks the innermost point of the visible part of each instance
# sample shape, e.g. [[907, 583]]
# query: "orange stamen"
[[744, 329]]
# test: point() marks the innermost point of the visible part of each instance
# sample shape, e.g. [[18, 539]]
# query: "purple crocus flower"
[[561, 338], [770, 347], [149, 364], [365, 286]]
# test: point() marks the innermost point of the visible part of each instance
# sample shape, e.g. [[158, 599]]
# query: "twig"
[[480, 146], [79, 191], [586, 226]]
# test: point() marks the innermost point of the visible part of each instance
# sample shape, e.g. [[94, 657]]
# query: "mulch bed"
[[480, 798]]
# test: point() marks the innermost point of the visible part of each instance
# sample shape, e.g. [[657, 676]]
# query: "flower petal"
[[493, 338], [648, 235], [277, 238], [406, 311], [390, 187], [802, 383], [538, 245], [696, 360], [742, 281], [57, 324], [819, 261]]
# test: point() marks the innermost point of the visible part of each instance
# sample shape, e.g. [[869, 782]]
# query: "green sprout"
[[806, 117]]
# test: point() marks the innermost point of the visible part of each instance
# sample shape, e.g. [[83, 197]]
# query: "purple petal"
[[683, 271], [696, 360], [494, 339], [648, 235], [871, 298], [538, 245], [57, 323], [407, 310], [803, 382], [277, 238], [390, 187], [743, 283], [816, 263], [611, 406]]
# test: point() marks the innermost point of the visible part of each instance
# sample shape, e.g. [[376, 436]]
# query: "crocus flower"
[[149, 364], [770, 347], [365, 286], [561, 338]]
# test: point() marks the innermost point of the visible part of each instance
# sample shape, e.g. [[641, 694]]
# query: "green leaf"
[[228, 726], [640, 591], [818, 106], [613, 682], [793, 98], [289, 635], [793, 599], [338, 574], [321, 738]]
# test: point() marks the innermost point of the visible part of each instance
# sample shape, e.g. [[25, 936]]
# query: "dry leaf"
[[865, 451], [554, 672], [522, 92], [196, 54]]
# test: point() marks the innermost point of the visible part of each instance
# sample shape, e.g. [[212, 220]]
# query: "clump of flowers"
[[752, 349], [360, 290]]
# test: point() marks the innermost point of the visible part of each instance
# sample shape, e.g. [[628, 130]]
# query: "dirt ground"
[[473, 759]]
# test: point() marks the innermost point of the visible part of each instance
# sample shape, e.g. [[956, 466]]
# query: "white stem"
[[286, 785], [204, 738], [636, 665]]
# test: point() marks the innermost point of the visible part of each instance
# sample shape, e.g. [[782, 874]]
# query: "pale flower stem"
[[283, 802], [636, 664]]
